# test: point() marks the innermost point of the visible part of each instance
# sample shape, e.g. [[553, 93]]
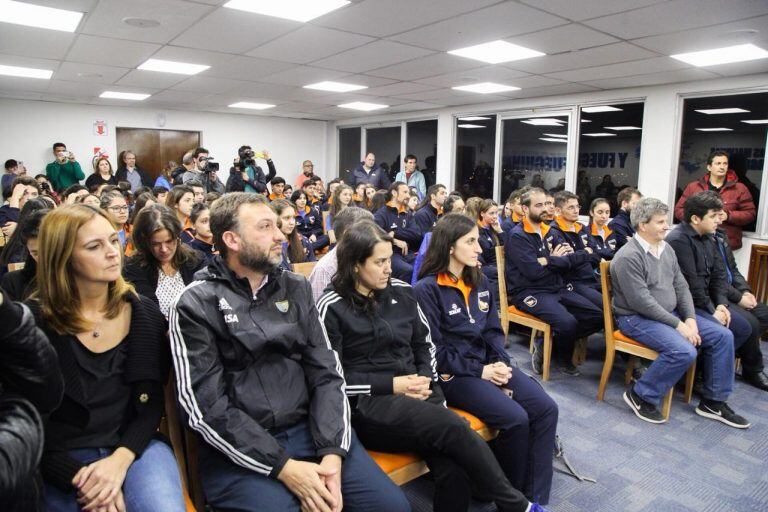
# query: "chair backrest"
[[758, 272], [304, 268], [605, 282], [503, 305], [326, 216], [2, 239]]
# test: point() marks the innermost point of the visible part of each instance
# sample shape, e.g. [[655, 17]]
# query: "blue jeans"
[[228, 486], [152, 483], [676, 354]]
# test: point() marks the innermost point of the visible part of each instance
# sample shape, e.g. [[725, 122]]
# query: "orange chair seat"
[[389, 462], [620, 336], [474, 422], [514, 311]]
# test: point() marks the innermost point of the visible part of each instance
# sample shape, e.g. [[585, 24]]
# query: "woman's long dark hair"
[[446, 233], [15, 250], [150, 220], [295, 247], [354, 248]]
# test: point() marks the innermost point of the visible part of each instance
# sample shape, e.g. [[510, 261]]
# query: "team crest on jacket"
[[530, 301], [612, 244], [282, 306], [482, 305], [455, 310]]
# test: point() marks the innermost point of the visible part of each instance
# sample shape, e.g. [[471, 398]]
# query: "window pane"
[[533, 154], [744, 142], [422, 142], [349, 151], [475, 154], [609, 153], [385, 144]]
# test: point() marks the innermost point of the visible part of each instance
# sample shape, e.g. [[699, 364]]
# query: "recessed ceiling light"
[[485, 88], [726, 55], [250, 105], [710, 111], [755, 121], [544, 121], [22, 13], [600, 108], [297, 10], [335, 86], [599, 134], [468, 125], [169, 66], [25, 72], [496, 52], [714, 129], [622, 128], [553, 140], [474, 118], [124, 95], [362, 105], [559, 135]]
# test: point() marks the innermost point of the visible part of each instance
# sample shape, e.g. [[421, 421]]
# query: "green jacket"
[[63, 175]]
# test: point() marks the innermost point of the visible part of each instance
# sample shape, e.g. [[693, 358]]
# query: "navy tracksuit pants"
[[571, 315], [527, 424]]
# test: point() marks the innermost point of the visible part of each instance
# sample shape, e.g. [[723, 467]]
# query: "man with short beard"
[[260, 382], [621, 224]]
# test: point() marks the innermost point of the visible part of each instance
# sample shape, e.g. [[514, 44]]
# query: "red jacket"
[[737, 203]]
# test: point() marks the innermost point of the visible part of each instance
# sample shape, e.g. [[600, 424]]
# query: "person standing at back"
[[368, 171], [65, 170]]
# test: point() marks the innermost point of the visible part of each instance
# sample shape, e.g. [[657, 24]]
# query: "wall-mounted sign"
[[100, 128]]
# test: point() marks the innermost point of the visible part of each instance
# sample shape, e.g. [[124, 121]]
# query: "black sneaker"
[[537, 357], [646, 411], [568, 369], [720, 411]]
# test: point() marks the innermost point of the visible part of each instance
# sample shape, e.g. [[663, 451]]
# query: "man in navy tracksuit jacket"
[[427, 216], [620, 224], [534, 273], [394, 218]]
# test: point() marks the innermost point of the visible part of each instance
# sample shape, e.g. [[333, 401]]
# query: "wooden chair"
[[758, 272], [304, 268], [171, 426], [616, 341], [15, 266]]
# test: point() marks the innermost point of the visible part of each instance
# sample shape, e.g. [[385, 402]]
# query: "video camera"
[[209, 165]]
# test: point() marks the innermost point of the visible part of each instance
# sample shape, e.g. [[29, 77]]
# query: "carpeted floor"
[[687, 464]]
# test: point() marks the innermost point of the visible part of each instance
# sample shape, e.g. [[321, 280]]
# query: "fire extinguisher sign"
[[100, 128]]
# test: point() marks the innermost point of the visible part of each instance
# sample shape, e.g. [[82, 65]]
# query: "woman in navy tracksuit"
[[600, 237], [382, 339], [309, 220], [475, 370]]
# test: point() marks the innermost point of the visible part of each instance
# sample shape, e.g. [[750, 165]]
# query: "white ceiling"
[[395, 47]]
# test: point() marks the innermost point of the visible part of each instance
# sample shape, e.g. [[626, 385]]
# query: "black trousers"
[[459, 459], [749, 352]]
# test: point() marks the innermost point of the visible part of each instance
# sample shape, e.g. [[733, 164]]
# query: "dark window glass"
[[421, 142], [475, 154], [385, 144], [349, 151]]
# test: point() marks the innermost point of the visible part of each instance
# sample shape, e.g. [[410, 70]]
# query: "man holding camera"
[[65, 170], [204, 171], [246, 176]]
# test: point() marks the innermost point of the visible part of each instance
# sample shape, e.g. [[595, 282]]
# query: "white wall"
[[30, 127]]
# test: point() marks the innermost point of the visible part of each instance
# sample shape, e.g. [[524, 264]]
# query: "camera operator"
[[205, 171], [246, 176]]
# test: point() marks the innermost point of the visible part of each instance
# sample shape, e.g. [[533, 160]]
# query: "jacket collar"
[[528, 228], [446, 279], [689, 231], [594, 232], [567, 227], [219, 271], [730, 179], [400, 209]]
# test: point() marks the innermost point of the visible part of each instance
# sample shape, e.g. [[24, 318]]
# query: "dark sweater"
[[146, 370]]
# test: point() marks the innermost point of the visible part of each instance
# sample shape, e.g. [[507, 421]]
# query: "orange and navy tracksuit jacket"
[[604, 245], [575, 235], [401, 221]]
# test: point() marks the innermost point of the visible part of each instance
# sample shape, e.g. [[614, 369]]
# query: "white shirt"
[[652, 249], [168, 289]]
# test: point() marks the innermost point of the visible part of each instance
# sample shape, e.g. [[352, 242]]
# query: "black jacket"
[[402, 223], [20, 284], [426, 218], [144, 277], [146, 180], [377, 177], [247, 365], [236, 183], [622, 228], [701, 265], [737, 285], [374, 347], [579, 241], [146, 370]]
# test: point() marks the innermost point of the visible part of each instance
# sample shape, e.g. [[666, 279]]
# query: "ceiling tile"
[[397, 88], [753, 30], [740, 68], [303, 75], [564, 38], [371, 56], [665, 77], [431, 65], [110, 52], [175, 97], [76, 89], [192, 55], [677, 15], [553, 90], [153, 79], [496, 74], [436, 95], [415, 105], [472, 100], [29, 62], [503, 20], [34, 42], [645, 66], [11, 83], [94, 73], [309, 43], [383, 18], [174, 17], [208, 84], [586, 9], [247, 68], [602, 55], [233, 31], [535, 81]]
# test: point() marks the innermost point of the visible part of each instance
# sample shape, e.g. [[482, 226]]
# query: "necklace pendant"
[[96, 334]]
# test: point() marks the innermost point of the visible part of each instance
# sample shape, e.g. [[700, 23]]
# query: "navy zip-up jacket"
[[523, 273], [488, 244], [604, 247], [576, 237], [390, 218], [311, 223], [426, 218], [622, 228], [377, 177], [464, 324]]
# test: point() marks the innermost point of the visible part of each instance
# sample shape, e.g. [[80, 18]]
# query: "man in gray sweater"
[[653, 305]]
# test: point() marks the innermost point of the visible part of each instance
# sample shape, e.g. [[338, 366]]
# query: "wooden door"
[[155, 148]]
